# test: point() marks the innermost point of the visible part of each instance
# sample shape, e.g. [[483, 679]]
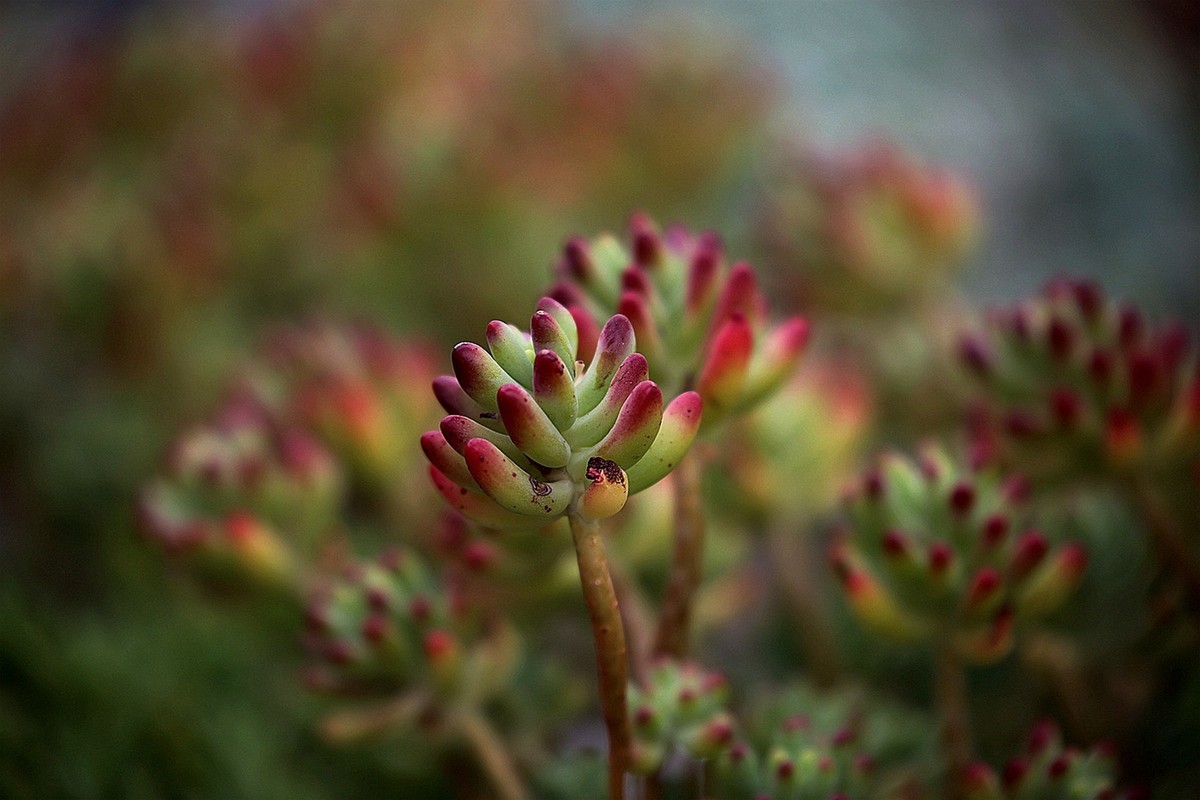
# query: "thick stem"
[[687, 560], [1174, 550], [611, 658], [493, 757], [793, 570], [950, 695]]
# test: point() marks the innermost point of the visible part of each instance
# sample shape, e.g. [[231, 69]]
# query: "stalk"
[[793, 570], [493, 757], [608, 633], [1168, 538], [687, 560], [950, 696]]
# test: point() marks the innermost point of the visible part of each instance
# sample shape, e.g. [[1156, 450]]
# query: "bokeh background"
[[176, 179]]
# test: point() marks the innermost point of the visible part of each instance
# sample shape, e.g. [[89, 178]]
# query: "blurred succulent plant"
[[388, 625], [824, 746], [363, 392], [871, 232], [700, 324], [681, 707], [388, 629], [934, 549], [796, 453], [1077, 385], [1048, 769], [245, 492]]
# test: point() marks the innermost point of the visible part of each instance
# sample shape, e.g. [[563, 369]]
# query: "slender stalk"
[[637, 618], [611, 657], [687, 560], [493, 756], [793, 570], [1168, 538], [950, 696], [363, 723]]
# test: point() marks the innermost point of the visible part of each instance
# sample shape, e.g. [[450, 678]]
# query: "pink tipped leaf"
[[636, 427], [447, 460], [616, 344], [553, 389], [513, 488], [726, 364], [479, 374], [591, 427], [530, 428], [680, 423], [510, 349], [548, 334], [477, 507]]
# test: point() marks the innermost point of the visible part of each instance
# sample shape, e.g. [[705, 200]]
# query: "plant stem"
[[1168, 538], [687, 560], [354, 725], [493, 756], [611, 658], [950, 696], [793, 569], [637, 618]]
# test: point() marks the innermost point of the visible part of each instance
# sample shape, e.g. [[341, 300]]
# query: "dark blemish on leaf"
[[540, 489], [462, 491], [601, 470], [514, 474], [487, 415]]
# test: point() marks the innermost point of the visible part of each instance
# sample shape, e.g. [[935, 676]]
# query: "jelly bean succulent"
[[1048, 769], [681, 707], [545, 425], [934, 549], [872, 231], [244, 492], [938, 553], [700, 323], [826, 745], [388, 624], [1077, 384], [535, 433]]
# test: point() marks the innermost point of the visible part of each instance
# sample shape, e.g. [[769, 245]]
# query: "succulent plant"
[[825, 746], [547, 425], [389, 624], [700, 323], [1076, 385], [936, 550], [539, 428], [363, 392], [1049, 770], [242, 491], [797, 451], [868, 232], [681, 706]]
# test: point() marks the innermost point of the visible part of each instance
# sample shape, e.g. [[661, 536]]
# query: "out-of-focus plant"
[[868, 232], [941, 554]]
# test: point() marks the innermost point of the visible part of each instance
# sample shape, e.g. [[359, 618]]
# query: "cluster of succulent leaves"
[[870, 229], [681, 706], [1050, 770], [1075, 384], [936, 550], [809, 744], [699, 322], [245, 494], [536, 431]]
